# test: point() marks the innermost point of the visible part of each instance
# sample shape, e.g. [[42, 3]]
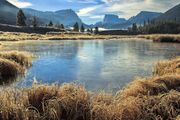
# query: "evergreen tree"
[[134, 28], [88, 30], [21, 18], [82, 28], [62, 26], [96, 30], [50, 24], [91, 30], [76, 27], [34, 21]]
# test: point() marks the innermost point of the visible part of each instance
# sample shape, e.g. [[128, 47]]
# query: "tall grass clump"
[[22, 58], [13, 64], [162, 37], [167, 67], [69, 102], [9, 69], [167, 39]]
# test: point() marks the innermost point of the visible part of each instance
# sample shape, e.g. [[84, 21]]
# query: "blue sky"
[[91, 11]]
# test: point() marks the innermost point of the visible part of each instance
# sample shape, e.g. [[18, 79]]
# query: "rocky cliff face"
[[112, 19]]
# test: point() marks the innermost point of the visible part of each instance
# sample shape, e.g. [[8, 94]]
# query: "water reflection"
[[98, 65]]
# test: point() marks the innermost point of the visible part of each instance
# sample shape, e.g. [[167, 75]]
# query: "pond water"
[[98, 65]]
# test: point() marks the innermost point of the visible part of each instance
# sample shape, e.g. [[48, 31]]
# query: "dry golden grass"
[[162, 37], [72, 102], [167, 67], [13, 64], [9, 69], [15, 36], [22, 58]]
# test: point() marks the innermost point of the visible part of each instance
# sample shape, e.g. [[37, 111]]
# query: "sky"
[[92, 11]]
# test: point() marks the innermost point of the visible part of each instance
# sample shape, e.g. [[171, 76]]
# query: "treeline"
[[77, 27], [21, 20], [152, 27]]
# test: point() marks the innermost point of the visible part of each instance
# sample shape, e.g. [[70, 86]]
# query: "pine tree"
[[34, 21], [21, 18], [82, 28], [96, 30], [76, 27], [50, 24], [62, 26], [134, 28], [91, 30], [88, 30]]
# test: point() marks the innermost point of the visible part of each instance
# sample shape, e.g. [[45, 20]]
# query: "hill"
[[144, 16], [7, 12], [172, 14]]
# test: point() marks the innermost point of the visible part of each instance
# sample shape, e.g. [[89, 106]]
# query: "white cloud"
[[20, 4], [87, 11], [126, 8]]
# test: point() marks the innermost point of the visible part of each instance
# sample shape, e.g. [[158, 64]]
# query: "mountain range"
[[68, 17], [114, 22], [8, 15]]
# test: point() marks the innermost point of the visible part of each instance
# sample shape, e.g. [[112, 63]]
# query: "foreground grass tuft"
[[73, 102], [22, 58], [167, 67], [12, 64], [9, 69]]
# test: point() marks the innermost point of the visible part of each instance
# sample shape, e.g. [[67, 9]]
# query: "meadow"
[[153, 98]]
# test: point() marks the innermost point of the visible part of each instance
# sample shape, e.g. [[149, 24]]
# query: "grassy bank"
[[13, 36], [152, 98], [162, 37], [12, 64]]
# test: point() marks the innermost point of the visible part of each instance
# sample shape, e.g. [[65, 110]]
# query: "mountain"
[[109, 21], [144, 16], [172, 14], [7, 12], [67, 17], [113, 19]]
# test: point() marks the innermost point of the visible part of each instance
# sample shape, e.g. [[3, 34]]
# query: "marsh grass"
[[9, 69], [167, 67], [73, 102], [15, 36], [13, 64], [162, 37], [22, 58]]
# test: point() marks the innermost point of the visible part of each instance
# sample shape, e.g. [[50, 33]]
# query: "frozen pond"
[[97, 64]]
